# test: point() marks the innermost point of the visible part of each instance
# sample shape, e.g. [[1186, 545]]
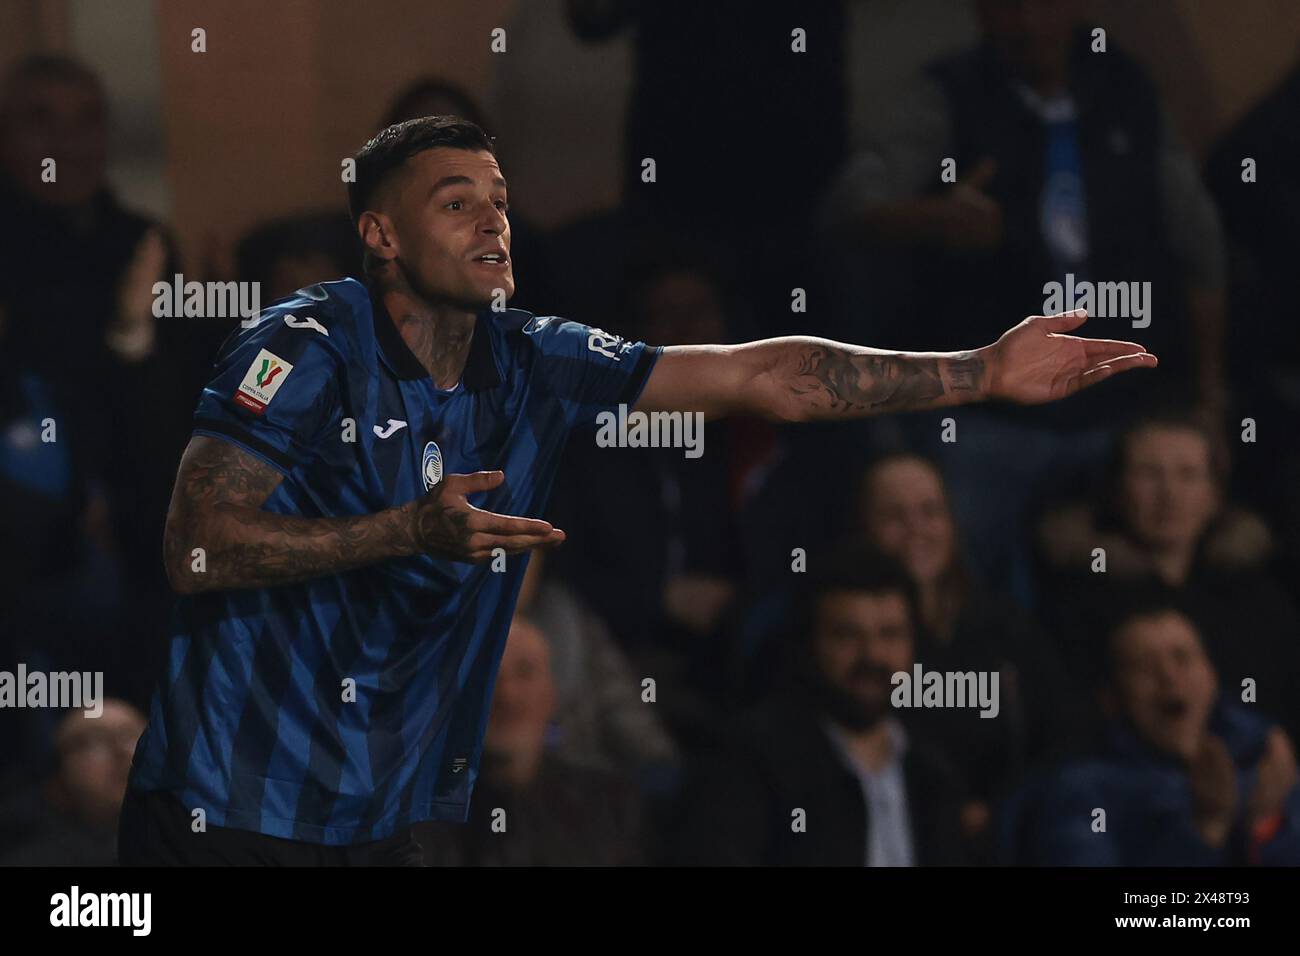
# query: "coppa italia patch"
[[262, 380]]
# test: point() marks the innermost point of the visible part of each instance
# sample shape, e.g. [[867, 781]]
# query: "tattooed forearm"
[[847, 383], [965, 372], [825, 379], [219, 538], [259, 549]]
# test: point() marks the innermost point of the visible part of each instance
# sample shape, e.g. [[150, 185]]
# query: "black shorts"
[[155, 830]]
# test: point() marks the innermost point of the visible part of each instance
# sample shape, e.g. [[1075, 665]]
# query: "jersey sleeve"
[[589, 370], [275, 388]]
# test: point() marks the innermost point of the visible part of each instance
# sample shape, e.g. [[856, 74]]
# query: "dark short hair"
[[394, 145], [856, 568], [1142, 599]]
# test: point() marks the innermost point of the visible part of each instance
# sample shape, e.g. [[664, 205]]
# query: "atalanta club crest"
[[432, 465]]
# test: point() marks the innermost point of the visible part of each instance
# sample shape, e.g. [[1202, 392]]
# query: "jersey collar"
[[481, 368]]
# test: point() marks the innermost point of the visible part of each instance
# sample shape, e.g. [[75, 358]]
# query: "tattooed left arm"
[[805, 379], [799, 378]]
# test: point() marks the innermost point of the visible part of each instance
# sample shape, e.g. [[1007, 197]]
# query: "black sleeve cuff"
[[636, 381], [242, 437]]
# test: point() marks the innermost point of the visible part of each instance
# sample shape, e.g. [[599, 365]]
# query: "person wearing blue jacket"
[[1188, 774]]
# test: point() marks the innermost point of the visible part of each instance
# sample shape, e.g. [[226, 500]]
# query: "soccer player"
[[351, 520]]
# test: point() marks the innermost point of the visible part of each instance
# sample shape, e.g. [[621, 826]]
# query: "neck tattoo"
[[442, 347]]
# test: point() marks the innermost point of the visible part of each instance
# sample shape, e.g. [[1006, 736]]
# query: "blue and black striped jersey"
[[342, 708]]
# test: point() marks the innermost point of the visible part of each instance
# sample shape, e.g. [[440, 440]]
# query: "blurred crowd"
[[702, 674]]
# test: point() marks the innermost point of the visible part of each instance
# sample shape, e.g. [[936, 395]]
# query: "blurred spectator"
[[1261, 213], [710, 75], [531, 807], [289, 254], [76, 268], [673, 534], [529, 247], [1163, 516], [431, 96], [826, 774], [76, 277], [728, 106], [1185, 777], [1065, 167], [905, 514], [71, 820], [600, 719], [58, 583], [596, 258], [281, 256]]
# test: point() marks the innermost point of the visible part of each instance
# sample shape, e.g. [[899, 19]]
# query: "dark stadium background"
[[225, 165]]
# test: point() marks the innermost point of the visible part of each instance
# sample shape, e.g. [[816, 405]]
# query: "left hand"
[[1034, 362]]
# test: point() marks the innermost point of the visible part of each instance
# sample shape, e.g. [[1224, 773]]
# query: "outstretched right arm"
[[217, 506]]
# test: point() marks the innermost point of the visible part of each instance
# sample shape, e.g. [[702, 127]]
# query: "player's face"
[[451, 229], [1164, 682], [862, 640]]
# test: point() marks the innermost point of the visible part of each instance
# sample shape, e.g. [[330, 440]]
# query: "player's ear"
[[377, 235]]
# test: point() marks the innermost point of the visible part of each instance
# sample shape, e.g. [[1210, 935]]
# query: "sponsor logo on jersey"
[[394, 425], [262, 380], [431, 466], [307, 322]]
